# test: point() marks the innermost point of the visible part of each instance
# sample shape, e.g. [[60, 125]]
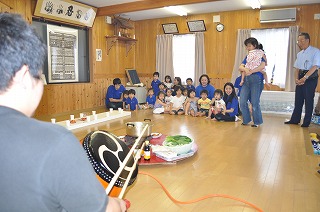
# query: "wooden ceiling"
[[144, 5]]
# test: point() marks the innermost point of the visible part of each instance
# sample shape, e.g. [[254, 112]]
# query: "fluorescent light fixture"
[[177, 10], [255, 4]]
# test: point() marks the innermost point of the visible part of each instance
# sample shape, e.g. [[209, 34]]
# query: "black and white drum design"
[[106, 153]]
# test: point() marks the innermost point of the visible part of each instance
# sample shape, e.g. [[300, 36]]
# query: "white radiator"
[[279, 102]]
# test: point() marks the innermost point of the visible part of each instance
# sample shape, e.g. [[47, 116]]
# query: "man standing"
[[44, 167], [306, 75]]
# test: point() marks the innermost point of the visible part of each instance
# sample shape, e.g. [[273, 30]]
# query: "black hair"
[[131, 91], [150, 89], [163, 85], [167, 77], [177, 88], [204, 75], [204, 91], [184, 89], [305, 35], [160, 92], [126, 92], [218, 91], [260, 46], [233, 94], [189, 79], [156, 74], [190, 91], [252, 41], [116, 81], [19, 45], [179, 80]]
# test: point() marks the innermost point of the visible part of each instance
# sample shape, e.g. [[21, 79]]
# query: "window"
[[275, 44], [183, 47]]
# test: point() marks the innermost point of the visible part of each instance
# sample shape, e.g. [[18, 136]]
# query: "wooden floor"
[[271, 166]]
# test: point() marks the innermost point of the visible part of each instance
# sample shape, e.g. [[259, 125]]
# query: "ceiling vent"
[[278, 15]]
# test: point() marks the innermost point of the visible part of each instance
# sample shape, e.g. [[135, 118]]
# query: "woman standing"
[[252, 87], [205, 85]]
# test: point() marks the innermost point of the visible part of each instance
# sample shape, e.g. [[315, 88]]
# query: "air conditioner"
[[278, 15]]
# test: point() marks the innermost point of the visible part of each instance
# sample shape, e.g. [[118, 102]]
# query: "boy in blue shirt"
[[151, 98], [189, 85], [155, 83], [132, 101], [124, 100]]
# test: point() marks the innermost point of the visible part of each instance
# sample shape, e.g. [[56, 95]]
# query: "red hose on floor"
[[201, 198]]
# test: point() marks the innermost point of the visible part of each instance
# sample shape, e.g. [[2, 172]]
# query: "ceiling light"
[[255, 4], [177, 10]]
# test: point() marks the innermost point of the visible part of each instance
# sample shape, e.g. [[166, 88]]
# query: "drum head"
[[106, 153]]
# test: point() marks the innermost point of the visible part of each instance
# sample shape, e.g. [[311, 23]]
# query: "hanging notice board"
[[133, 76]]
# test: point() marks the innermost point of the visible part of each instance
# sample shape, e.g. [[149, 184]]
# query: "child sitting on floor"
[[151, 99], [218, 105], [191, 104], [160, 106], [176, 106], [168, 97], [204, 103], [132, 101]]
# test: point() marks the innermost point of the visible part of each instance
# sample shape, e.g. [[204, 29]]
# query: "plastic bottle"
[[146, 149]]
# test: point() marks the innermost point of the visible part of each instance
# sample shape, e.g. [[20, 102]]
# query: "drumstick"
[[136, 159], [124, 163]]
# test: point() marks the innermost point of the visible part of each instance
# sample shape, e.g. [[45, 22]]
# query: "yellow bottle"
[[147, 152]]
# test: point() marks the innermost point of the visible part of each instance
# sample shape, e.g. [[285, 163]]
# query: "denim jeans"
[[251, 90]]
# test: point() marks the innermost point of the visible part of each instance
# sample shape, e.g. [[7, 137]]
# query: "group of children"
[[175, 99]]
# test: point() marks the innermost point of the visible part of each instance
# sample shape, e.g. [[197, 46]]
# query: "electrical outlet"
[[317, 16]]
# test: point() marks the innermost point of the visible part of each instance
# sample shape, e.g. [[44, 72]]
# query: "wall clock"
[[220, 27]]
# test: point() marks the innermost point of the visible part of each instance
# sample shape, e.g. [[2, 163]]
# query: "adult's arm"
[[69, 177], [259, 68], [306, 76]]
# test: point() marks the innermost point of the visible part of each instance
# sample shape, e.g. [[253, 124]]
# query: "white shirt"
[[178, 101]]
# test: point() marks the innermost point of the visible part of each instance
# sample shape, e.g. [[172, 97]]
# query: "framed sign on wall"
[[170, 28], [196, 26]]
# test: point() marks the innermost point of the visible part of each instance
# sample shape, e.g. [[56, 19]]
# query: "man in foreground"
[[44, 167]]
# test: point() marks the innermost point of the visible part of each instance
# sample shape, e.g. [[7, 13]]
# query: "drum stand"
[[124, 163]]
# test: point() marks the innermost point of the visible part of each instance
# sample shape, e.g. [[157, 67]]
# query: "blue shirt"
[[259, 73], [190, 87], [151, 100], [155, 86], [232, 104], [113, 93], [308, 58], [209, 88], [133, 103], [125, 100], [237, 84]]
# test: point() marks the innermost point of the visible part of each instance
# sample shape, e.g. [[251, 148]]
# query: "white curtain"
[[184, 56], [200, 57], [164, 59], [276, 51], [241, 51], [293, 50]]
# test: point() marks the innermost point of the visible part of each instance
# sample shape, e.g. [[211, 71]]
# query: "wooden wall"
[[220, 51], [219, 46]]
